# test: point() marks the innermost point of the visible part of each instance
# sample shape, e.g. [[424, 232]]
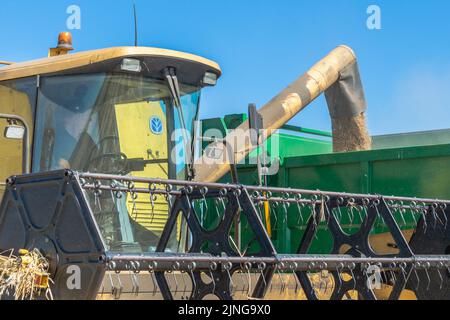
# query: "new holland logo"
[[156, 125]]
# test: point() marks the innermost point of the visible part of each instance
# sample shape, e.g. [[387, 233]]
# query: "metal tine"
[[194, 282], [414, 210], [393, 266], [436, 207], [424, 213], [366, 273], [134, 196], [153, 199], [118, 195], [402, 267], [415, 266], [243, 280], [259, 204], [227, 267], [290, 274], [201, 214], [327, 279], [311, 268], [97, 194], [213, 282], [365, 213], [116, 292], [282, 286], [120, 288], [151, 268], [237, 194], [337, 210], [152, 189], [293, 266], [285, 211], [327, 212], [339, 269], [359, 210], [448, 270], [204, 191], [297, 285], [216, 207], [222, 194], [426, 267], [313, 207], [136, 285], [321, 285], [212, 268], [437, 220], [134, 271], [188, 190], [175, 267], [259, 207], [351, 268], [443, 207], [396, 210], [314, 200], [114, 289], [248, 267], [441, 266], [192, 268], [402, 212], [102, 291], [381, 222], [113, 188], [273, 207], [286, 197], [298, 198], [435, 215], [184, 291], [349, 209], [324, 212]]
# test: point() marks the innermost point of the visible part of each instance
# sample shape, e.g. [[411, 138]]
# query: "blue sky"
[[263, 45]]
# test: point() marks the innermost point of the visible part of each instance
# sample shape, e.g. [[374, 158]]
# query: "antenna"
[[135, 26]]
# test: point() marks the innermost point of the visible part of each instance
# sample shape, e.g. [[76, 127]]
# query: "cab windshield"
[[117, 124]]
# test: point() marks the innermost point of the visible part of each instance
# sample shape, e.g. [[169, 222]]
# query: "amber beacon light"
[[64, 45]]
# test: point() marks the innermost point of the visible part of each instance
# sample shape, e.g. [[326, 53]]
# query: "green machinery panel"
[[401, 166]]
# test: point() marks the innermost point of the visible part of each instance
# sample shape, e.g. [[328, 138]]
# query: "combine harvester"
[[110, 179]]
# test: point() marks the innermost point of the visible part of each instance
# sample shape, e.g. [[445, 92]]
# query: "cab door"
[[17, 102]]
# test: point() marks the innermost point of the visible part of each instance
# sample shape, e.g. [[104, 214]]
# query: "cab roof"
[[191, 67]]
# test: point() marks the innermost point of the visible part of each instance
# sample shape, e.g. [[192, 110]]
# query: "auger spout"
[[337, 75]]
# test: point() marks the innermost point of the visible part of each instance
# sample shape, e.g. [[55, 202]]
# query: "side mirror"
[[14, 132], [255, 120]]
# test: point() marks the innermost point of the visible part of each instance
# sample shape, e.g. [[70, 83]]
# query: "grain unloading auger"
[[138, 230]]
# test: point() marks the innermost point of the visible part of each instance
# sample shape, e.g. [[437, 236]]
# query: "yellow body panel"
[[137, 141]]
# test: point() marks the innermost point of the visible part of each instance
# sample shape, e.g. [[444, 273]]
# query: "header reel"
[[200, 255]]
